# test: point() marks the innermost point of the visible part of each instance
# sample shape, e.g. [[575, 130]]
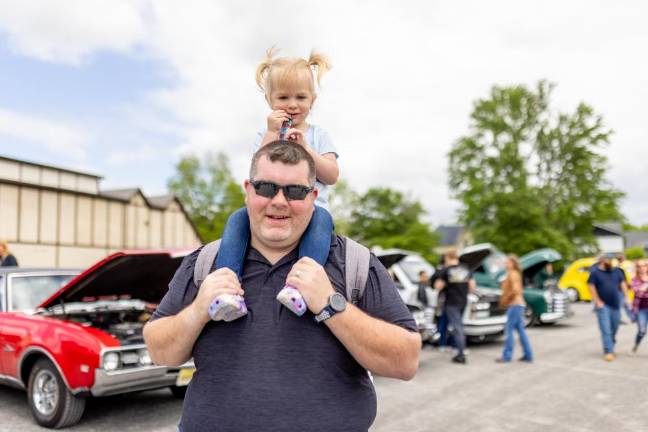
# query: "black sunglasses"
[[291, 192]]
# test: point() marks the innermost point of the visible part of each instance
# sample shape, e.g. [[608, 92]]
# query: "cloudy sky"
[[123, 88]]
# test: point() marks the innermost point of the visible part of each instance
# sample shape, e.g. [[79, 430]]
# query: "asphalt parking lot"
[[568, 388]]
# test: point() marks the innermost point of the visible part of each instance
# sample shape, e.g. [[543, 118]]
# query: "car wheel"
[[529, 318], [572, 295], [178, 391], [50, 401]]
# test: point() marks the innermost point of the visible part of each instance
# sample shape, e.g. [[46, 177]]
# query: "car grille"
[[559, 304], [496, 310]]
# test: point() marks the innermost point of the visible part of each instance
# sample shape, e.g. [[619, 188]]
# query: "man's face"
[[277, 223]]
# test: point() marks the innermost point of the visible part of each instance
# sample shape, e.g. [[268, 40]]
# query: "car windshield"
[[495, 263], [28, 291], [413, 266]]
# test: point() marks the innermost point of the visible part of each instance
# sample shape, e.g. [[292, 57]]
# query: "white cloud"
[[56, 137], [67, 32], [131, 156]]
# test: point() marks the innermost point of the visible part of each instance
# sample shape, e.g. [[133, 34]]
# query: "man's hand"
[[222, 281], [599, 303], [276, 119], [312, 282]]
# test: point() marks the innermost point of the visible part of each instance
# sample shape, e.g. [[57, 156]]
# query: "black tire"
[[51, 403], [178, 391], [529, 318]]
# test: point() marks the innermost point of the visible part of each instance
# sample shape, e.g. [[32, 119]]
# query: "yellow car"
[[574, 279]]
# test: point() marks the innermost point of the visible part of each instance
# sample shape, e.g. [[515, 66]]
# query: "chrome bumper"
[[551, 317], [485, 326], [135, 379]]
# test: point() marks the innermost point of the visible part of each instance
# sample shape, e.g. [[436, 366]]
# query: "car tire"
[[572, 294], [529, 318], [51, 402], [178, 391]]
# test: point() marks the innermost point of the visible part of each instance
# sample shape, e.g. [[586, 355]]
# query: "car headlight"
[[480, 306], [548, 296], [111, 361], [144, 358]]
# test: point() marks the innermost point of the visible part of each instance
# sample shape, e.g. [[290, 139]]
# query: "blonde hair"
[[516, 262], [283, 71], [4, 244]]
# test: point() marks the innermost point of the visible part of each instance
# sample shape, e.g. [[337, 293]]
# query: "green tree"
[[342, 201], [207, 190], [387, 218], [635, 253], [528, 177]]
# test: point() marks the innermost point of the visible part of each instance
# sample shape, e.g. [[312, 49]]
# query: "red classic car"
[[66, 334]]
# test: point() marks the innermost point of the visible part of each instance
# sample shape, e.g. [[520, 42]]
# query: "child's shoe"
[[227, 307], [292, 299]]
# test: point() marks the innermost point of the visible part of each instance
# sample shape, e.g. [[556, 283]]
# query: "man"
[[545, 276], [456, 281], [271, 370], [423, 285], [604, 283]]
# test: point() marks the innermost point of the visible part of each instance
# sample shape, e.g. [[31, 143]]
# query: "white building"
[[58, 217]]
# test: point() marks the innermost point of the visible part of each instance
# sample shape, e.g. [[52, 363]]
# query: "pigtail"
[[264, 68], [320, 64]]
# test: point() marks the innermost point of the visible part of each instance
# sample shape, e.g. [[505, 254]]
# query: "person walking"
[[455, 280], [604, 284], [513, 300], [6, 258], [639, 285]]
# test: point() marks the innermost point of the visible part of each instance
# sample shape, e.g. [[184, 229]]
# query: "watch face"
[[338, 302]]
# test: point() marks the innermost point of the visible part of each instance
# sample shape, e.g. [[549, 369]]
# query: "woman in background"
[[639, 285], [513, 300], [6, 259]]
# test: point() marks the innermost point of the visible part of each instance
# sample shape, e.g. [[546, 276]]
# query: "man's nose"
[[279, 199]]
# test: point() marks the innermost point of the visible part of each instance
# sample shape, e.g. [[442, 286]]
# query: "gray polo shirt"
[[271, 370]]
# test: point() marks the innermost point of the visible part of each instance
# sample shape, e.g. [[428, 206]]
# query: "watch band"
[[325, 314]]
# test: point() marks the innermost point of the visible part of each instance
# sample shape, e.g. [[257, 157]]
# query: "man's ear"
[[246, 183], [315, 193]]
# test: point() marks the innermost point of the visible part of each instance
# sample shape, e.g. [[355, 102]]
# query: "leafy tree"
[[207, 190], [635, 253], [342, 201], [385, 217], [528, 177]]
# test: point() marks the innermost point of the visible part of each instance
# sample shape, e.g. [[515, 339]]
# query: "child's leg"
[[316, 241], [231, 254], [236, 237]]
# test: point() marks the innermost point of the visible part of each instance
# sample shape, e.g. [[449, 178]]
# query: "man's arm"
[[472, 285], [381, 347], [595, 298], [439, 284], [170, 340]]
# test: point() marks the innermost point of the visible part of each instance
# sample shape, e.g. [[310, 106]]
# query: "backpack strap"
[[356, 270], [205, 261]]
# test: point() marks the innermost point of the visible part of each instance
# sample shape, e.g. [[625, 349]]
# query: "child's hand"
[[276, 119], [297, 136]]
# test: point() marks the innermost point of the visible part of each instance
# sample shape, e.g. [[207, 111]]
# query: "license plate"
[[184, 376]]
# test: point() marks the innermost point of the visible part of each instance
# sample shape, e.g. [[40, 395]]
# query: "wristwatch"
[[336, 303]]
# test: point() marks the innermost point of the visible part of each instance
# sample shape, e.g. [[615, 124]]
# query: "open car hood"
[[140, 274], [473, 256], [389, 257], [535, 261]]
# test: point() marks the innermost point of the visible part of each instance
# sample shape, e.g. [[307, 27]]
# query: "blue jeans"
[[515, 322], [455, 326], [315, 243], [608, 321], [642, 324]]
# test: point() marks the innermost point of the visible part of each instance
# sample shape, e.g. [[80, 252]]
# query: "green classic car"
[[546, 304]]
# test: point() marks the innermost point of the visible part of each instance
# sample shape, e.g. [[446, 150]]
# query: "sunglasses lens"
[[265, 189], [296, 192]]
